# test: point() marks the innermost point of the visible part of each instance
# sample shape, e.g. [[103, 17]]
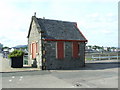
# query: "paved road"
[[99, 74]]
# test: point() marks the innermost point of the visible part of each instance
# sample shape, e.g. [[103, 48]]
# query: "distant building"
[[5, 52], [88, 49], [118, 49], [1, 46], [55, 44], [106, 48], [11, 50], [113, 50], [99, 50]]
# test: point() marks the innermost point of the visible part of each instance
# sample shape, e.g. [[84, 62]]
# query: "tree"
[[95, 47], [5, 47], [90, 46]]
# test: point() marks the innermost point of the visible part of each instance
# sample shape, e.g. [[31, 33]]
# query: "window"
[[33, 50], [75, 49], [60, 50]]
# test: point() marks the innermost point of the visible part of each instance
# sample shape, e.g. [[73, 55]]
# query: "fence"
[[102, 56]]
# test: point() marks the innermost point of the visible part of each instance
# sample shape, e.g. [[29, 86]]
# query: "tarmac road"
[[96, 74]]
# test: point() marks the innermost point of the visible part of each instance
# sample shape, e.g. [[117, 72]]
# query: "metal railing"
[[101, 56], [107, 56]]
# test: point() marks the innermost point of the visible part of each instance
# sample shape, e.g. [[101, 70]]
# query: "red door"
[[60, 50], [33, 50], [75, 50]]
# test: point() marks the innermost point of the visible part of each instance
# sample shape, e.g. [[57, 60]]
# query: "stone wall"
[[35, 37], [51, 62]]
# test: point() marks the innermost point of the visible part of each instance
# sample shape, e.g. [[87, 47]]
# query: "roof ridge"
[[57, 20]]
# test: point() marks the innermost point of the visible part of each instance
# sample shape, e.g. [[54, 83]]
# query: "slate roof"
[[56, 29]]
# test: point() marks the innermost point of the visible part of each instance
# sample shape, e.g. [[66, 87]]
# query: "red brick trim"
[[65, 40], [80, 31]]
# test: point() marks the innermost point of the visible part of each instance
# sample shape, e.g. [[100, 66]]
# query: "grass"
[[88, 59]]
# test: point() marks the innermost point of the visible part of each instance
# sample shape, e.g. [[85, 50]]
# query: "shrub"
[[16, 53]]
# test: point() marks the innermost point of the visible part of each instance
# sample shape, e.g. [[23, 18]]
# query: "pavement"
[[5, 66]]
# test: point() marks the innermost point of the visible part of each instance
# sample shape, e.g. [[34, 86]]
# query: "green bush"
[[16, 53]]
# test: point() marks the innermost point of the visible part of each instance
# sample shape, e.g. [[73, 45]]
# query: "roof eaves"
[[80, 32], [65, 40]]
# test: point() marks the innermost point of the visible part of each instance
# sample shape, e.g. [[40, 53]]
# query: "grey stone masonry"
[[52, 63], [34, 37]]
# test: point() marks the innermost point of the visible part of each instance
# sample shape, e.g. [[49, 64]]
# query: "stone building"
[[55, 44]]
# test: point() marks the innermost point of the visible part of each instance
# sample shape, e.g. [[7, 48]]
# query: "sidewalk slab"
[[19, 69], [5, 67]]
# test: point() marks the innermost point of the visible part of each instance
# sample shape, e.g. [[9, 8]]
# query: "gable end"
[[37, 25]]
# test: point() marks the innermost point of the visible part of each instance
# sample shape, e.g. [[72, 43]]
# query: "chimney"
[[43, 17], [35, 14]]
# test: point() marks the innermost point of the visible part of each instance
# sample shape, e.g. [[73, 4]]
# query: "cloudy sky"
[[97, 19]]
